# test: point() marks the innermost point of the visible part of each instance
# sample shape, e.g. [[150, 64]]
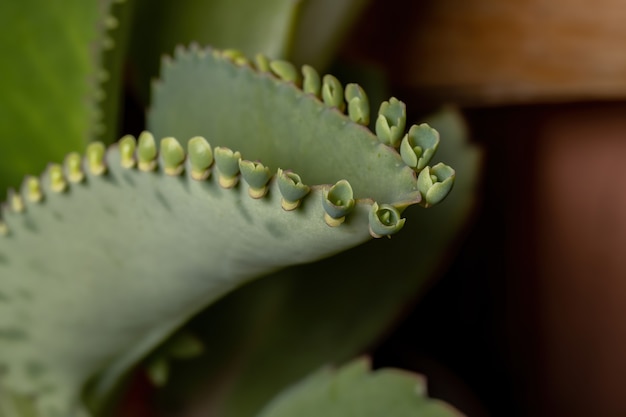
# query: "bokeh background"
[[529, 320]]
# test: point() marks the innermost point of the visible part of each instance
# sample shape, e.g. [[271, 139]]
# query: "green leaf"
[[320, 28], [272, 332], [218, 97], [354, 390], [252, 26], [141, 253], [145, 249], [52, 78], [117, 23]]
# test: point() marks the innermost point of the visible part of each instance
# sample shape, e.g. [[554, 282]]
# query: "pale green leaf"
[[272, 332], [354, 390], [99, 267]]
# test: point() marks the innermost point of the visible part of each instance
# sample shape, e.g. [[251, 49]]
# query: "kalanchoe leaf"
[[286, 71], [173, 156], [227, 163], [200, 158], [249, 26], [256, 175], [115, 34], [283, 136], [139, 314], [57, 180], [338, 201], [435, 183], [128, 145], [358, 104], [332, 92], [391, 121], [49, 95], [312, 83], [244, 238], [292, 189], [385, 220], [419, 146], [32, 187], [355, 390], [95, 158], [147, 152]]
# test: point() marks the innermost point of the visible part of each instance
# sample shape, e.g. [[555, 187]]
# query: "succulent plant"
[[246, 167]]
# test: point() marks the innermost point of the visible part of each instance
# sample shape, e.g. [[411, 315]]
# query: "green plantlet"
[[419, 145], [312, 83], [95, 158], [286, 71], [262, 63], [292, 189], [184, 346], [235, 56], [15, 201], [257, 177], [33, 190], [227, 163], [332, 92], [147, 152], [58, 183], [73, 168], [358, 104], [435, 183], [158, 370], [384, 220], [128, 146], [338, 201], [200, 158], [391, 121], [173, 156]]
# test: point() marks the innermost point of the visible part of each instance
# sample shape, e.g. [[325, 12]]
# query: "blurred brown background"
[[529, 319]]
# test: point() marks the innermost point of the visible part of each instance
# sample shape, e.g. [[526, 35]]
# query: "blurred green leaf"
[[321, 27], [354, 390], [251, 26], [51, 57]]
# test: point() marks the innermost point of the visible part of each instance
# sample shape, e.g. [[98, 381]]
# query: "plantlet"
[[246, 167]]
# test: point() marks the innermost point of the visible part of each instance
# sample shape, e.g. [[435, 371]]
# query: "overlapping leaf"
[[354, 390]]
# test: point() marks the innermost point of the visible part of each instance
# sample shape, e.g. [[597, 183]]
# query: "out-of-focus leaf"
[[49, 81], [321, 26], [44, 83], [251, 26], [354, 390]]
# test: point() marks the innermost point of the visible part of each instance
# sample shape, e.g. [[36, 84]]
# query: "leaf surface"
[[267, 113], [252, 26], [354, 390], [101, 262], [50, 86], [271, 332]]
